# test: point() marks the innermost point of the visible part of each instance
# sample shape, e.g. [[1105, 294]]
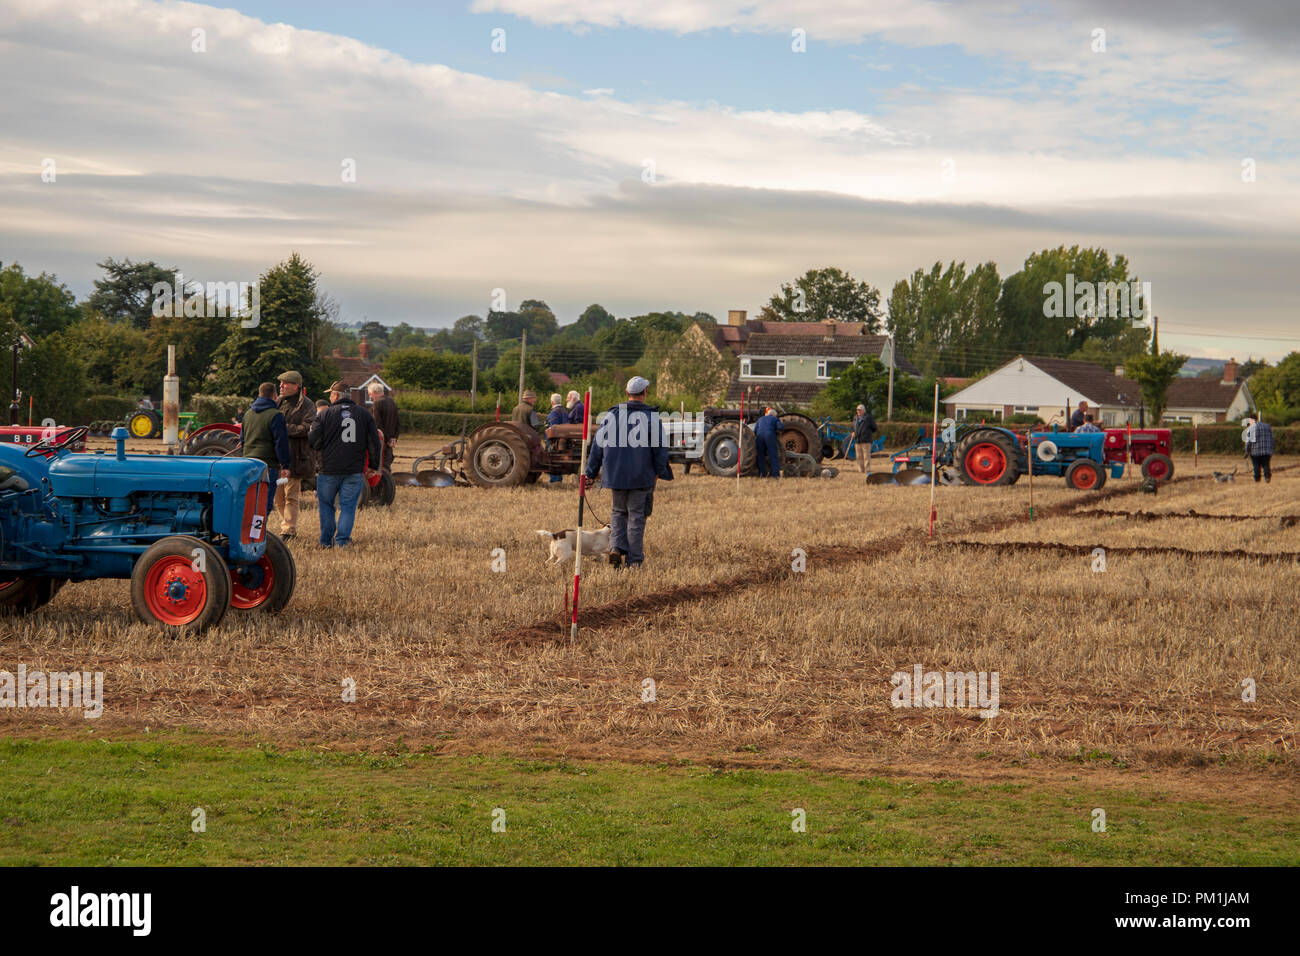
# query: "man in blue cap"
[[630, 453]]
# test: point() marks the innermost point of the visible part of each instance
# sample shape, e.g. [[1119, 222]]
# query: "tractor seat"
[[10, 480], [565, 431]]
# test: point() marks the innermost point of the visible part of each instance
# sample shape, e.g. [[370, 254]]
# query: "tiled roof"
[[1208, 393], [1095, 382], [841, 346], [792, 393], [354, 371]]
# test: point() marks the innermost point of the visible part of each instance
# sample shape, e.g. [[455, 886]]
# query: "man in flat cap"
[[630, 453], [299, 414], [347, 438]]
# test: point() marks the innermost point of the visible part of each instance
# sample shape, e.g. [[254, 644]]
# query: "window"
[[826, 368], [1026, 409], [763, 368]]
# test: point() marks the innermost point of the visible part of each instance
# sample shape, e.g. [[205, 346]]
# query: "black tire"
[[720, 449], [1158, 467], [214, 443], [22, 595], [163, 567], [251, 591], [799, 435], [1085, 475], [988, 457], [144, 425], [497, 457], [381, 495]]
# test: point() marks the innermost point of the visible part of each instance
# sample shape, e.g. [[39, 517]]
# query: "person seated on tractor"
[[1079, 417], [577, 411], [525, 413], [558, 416], [1087, 425], [768, 441]]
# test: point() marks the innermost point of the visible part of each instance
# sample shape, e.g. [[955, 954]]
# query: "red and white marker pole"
[[582, 500], [1196, 450], [1128, 446]]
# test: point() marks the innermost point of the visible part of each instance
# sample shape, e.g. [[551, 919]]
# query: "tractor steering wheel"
[[48, 444]]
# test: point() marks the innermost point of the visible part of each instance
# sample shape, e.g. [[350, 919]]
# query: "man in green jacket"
[[264, 435]]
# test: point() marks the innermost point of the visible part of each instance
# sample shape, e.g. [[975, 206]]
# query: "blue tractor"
[[991, 455], [189, 532]]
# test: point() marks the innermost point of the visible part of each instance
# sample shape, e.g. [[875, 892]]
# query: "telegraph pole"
[[889, 406]]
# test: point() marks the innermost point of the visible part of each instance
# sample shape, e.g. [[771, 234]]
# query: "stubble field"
[[1131, 677]]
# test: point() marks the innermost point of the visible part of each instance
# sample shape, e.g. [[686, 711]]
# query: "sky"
[[667, 155]]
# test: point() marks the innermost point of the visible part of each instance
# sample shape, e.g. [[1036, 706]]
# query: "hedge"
[[441, 423], [106, 408]]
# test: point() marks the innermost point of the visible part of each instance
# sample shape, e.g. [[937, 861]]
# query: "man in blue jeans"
[[348, 442], [630, 452]]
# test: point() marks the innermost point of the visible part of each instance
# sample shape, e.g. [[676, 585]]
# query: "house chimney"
[[364, 349], [736, 317], [1230, 372], [1119, 371], [830, 329]]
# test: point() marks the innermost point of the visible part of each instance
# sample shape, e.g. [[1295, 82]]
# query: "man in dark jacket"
[[558, 416], [577, 410], [347, 439], [1079, 417], [264, 436], [630, 452], [768, 439], [299, 413], [525, 413], [864, 430], [384, 409]]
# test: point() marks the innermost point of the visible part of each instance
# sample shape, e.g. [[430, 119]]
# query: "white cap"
[[637, 385]]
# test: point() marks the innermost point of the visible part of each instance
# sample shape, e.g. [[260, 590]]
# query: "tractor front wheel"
[[182, 583], [267, 585], [1159, 468], [723, 445], [1085, 475]]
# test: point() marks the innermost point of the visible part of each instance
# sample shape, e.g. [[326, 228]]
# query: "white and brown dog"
[[561, 543]]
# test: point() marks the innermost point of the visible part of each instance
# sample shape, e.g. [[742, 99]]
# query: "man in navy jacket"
[[630, 452], [767, 435]]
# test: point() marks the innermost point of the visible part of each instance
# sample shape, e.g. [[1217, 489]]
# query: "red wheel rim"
[[1085, 478], [986, 463], [1157, 469], [250, 595], [174, 592]]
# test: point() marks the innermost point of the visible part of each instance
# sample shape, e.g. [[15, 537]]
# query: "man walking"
[[630, 452], [263, 434], [345, 435], [384, 410], [299, 413], [1259, 448], [768, 443], [864, 429]]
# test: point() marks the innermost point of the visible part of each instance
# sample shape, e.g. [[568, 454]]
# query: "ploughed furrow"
[[556, 627], [1021, 547]]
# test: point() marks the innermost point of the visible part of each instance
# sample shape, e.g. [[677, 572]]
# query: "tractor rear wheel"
[[1158, 467], [1085, 475], [214, 443], [382, 494], [144, 425], [267, 585], [22, 595], [799, 435], [182, 583], [497, 457], [988, 457], [722, 445]]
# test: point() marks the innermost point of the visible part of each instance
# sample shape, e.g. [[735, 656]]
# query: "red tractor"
[[32, 434], [1152, 450]]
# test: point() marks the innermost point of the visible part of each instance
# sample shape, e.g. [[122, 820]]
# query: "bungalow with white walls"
[[1203, 401], [1046, 387]]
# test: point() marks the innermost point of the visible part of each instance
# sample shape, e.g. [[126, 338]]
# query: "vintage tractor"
[[988, 455], [29, 435], [189, 533], [1152, 449], [800, 439]]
